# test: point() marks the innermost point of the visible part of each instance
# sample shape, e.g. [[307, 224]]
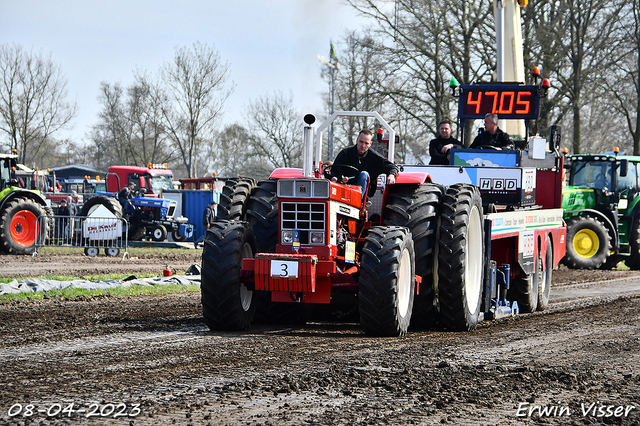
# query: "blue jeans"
[[363, 182]]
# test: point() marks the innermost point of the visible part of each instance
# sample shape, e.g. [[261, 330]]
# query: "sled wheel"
[[387, 281], [460, 257], [524, 290], [416, 207], [159, 233], [544, 276], [91, 251], [19, 226], [227, 304], [588, 243]]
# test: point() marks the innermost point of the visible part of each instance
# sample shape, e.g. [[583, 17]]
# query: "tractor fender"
[[284, 173], [413, 177], [13, 192], [615, 243]]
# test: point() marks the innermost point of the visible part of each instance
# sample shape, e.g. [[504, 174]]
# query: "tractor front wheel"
[[387, 281], [588, 243], [227, 304]]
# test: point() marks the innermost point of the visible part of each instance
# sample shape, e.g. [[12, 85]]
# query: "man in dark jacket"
[[439, 147], [209, 215], [62, 222], [125, 195], [369, 163], [492, 135]]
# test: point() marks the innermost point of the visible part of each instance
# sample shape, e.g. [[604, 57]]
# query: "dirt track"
[[156, 352]]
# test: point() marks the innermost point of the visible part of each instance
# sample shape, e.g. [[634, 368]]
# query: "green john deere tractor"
[[601, 209], [19, 212]]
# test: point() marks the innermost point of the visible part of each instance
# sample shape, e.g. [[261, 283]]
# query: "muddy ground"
[[151, 360]]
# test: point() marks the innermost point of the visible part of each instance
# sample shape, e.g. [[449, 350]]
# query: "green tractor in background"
[[601, 208], [19, 212]]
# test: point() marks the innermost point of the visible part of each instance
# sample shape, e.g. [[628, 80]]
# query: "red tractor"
[[418, 253]]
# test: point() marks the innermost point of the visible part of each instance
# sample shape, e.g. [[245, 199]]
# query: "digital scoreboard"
[[509, 101]]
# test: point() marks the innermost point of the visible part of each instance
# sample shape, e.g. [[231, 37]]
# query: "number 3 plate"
[[284, 269]]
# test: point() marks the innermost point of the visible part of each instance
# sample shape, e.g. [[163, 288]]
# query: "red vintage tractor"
[[415, 254]]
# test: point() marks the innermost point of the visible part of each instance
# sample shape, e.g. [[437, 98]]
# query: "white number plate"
[[284, 269]]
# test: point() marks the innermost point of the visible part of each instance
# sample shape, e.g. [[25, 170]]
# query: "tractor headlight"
[[287, 237], [316, 237]]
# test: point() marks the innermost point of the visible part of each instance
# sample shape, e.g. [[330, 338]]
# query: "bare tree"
[[32, 100], [191, 91], [110, 136], [623, 82], [276, 130], [231, 155], [423, 43]]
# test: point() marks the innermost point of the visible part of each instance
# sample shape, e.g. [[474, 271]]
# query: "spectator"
[[61, 222], [439, 147], [209, 215]]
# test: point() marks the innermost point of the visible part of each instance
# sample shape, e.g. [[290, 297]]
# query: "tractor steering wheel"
[[345, 170], [495, 148]]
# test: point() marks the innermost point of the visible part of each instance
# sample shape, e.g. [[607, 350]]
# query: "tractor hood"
[[578, 198]]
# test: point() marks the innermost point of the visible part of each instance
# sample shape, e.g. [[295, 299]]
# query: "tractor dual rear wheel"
[[19, 226], [387, 281], [227, 304], [460, 257], [588, 243], [417, 207]]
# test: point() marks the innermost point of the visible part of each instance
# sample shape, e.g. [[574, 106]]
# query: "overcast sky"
[[270, 45]]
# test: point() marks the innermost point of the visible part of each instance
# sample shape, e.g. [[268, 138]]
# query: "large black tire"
[[460, 257], [417, 207], [18, 226], [524, 290], [588, 243], [111, 203], [387, 281], [226, 302], [544, 276], [633, 261], [262, 214], [233, 199]]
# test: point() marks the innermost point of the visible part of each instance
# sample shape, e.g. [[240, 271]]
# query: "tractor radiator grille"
[[305, 217]]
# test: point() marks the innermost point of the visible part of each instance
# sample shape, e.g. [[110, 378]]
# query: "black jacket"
[[500, 139], [435, 150], [126, 193], [208, 217], [371, 162]]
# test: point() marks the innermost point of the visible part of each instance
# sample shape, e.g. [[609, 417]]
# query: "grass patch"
[[79, 293], [92, 278]]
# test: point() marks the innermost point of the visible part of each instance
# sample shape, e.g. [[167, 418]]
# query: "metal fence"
[[91, 233]]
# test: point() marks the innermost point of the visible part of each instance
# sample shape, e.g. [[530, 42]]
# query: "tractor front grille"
[[306, 217]]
